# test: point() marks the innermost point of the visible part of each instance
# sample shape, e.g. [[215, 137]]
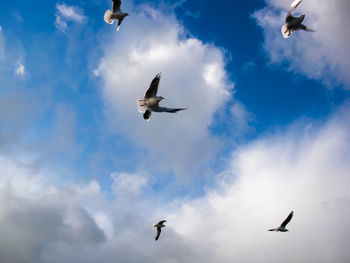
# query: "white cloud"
[[305, 170], [302, 171], [323, 55], [194, 76], [20, 69], [65, 14], [127, 184]]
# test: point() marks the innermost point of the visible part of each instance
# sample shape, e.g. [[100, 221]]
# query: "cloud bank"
[[323, 55], [304, 169]]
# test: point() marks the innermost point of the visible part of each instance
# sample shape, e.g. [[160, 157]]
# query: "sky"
[[83, 177]]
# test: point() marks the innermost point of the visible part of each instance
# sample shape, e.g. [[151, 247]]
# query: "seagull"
[[150, 102], [115, 14], [159, 226], [294, 23], [282, 227]]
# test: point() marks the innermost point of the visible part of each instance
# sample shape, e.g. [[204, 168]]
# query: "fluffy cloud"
[[305, 170], [194, 76], [323, 55], [65, 14]]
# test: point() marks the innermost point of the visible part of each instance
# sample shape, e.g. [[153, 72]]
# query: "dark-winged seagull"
[[150, 102], [159, 226], [115, 14], [282, 227], [294, 23]]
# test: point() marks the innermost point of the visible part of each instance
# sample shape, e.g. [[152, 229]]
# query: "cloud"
[[193, 76], [65, 14], [127, 184], [304, 169], [323, 55], [20, 69]]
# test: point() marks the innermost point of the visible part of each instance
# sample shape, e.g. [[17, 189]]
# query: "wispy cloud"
[[20, 69], [65, 14]]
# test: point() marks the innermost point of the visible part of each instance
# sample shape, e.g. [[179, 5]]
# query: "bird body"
[[282, 227], [159, 226], [294, 23], [115, 14], [150, 102]]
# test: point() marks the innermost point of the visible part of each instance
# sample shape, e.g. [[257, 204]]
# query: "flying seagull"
[[294, 23], [116, 14], [159, 226], [150, 102], [282, 227]]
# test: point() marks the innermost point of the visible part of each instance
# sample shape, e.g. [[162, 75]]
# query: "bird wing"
[[147, 115], [153, 88], [162, 222], [169, 110], [303, 27], [294, 5], [285, 222], [158, 233], [116, 5]]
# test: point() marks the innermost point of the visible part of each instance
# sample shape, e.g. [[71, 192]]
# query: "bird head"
[[126, 14]]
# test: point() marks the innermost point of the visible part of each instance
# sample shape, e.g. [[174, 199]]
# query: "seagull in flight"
[[282, 227], [150, 102], [115, 14], [294, 23], [159, 226]]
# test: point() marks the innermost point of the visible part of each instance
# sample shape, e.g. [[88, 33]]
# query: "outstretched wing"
[[303, 27], [153, 88], [116, 5], [169, 110], [285, 222], [294, 5], [162, 222], [158, 233]]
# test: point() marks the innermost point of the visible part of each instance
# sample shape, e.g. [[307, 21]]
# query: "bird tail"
[[108, 17]]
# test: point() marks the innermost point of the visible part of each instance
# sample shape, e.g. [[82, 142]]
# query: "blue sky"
[[70, 128]]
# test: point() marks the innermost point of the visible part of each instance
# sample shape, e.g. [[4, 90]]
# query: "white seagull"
[[159, 226], [282, 227], [115, 14], [150, 102], [294, 23]]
